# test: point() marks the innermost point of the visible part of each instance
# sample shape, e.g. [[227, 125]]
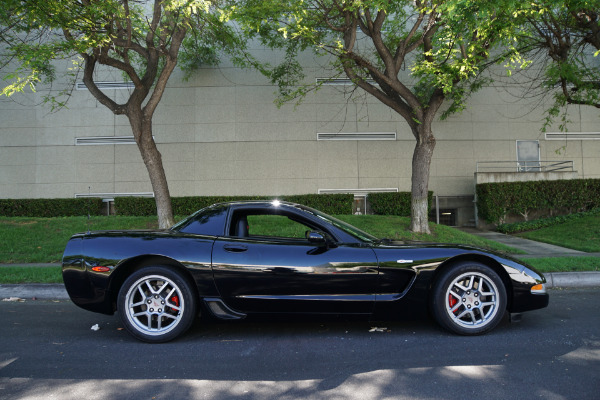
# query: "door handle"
[[235, 248]]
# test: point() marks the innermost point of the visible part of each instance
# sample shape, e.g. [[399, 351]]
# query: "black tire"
[[156, 304], [468, 298]]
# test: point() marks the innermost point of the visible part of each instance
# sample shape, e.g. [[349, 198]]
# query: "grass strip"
[[43, 240], [581, 234], [14, 275]]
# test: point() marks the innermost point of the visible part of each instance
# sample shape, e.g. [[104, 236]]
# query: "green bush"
[[145, 206], [496, 201], [47, 208], [395, 203]]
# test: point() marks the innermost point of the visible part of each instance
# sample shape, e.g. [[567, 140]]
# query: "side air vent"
[[107, 85], [572, 135], [357, 136], [103, 140]]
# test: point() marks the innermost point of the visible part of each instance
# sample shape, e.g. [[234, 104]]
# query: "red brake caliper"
[[452, 301], [175, 300]]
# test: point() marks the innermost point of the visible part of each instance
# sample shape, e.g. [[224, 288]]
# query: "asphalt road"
[[47, 350]]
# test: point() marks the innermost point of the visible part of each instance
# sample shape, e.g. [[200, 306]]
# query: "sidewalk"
[[538, 250], [532, 248]]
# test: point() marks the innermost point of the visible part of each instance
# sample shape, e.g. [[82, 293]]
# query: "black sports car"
[[240, 259]]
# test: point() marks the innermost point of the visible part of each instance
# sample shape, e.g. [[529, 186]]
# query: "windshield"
[[349, 229]]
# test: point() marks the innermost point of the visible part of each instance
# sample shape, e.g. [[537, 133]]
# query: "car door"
[[261, 273]]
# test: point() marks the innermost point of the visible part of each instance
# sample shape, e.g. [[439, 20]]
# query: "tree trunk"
[[421, 165], [142, 131]]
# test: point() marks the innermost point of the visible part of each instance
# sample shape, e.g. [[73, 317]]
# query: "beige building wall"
[[220, 133]]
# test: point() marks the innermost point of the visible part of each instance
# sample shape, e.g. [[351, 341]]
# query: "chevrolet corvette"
[[269, 258]]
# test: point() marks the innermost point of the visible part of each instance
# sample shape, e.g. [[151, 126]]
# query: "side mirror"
[[316, 237]]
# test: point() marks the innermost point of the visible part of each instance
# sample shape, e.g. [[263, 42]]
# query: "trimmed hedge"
[[394, 203], [146, 206], [47, 208], [496, 201], [380, 203]]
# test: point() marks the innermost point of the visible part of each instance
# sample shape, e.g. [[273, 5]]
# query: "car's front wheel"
[[468, 299], [156, 304]]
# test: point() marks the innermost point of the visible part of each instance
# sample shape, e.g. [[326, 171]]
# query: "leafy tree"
[[444, 44], [563, 36], [142, 40]]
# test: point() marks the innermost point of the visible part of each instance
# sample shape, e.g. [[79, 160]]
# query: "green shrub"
[[47, 208], [496, 201], [395, 203], [145, 206]]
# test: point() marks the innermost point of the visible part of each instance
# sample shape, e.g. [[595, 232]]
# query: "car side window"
[[209, 221], [276, 226]]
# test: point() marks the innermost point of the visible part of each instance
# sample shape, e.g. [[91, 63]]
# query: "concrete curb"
[[573, 279], [51, 291]]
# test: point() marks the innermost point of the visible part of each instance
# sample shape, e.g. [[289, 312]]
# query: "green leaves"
[[497, 200], [120, 34]]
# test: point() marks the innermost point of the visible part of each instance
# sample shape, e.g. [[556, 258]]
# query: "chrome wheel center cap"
[[155, 304], [471, 299]]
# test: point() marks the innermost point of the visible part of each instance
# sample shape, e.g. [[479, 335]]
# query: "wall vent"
[[107, 85], [103, 140], [358, 192], [357, 136], [572, 135], [111, 196], [340, 81]]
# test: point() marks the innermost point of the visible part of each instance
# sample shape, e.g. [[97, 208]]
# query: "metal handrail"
[[524, 166]]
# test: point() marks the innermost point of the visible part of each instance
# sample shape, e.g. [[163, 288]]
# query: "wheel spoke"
[[456, 307], [471, 280], [472, 315], [171, 293], [150, 288], [162, 287]]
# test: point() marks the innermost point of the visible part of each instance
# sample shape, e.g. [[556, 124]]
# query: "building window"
[[528, 155]]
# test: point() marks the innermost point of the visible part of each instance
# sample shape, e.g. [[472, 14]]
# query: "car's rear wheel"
[[468, 298], [156, 304]]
